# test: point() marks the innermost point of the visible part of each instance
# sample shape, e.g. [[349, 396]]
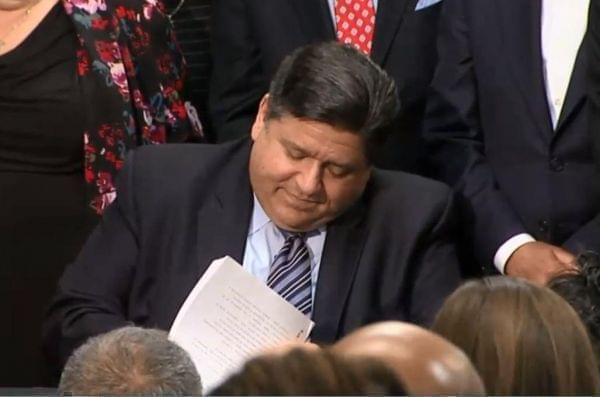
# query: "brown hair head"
[[302, 372], [523, 339]]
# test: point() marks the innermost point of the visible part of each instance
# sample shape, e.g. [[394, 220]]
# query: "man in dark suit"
[[366, 244], [507, 127], [251, 37]]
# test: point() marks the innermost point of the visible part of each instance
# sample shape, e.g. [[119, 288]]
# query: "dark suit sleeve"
[[237, 79], [92, 294], [588, 237], [437, 269], [594, 75], [456, 141]]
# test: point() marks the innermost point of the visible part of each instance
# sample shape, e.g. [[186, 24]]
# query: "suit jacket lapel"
[[315, 19], [521, 34], [219, 229], [576, 91], [224, 219], [388, 19], [341, 254]]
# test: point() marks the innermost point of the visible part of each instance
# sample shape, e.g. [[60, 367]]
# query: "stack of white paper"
[[229, 317]]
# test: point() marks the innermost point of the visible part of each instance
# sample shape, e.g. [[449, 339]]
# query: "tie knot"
[[294, 236]]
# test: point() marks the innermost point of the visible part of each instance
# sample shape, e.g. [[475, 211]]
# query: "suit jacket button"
[[543, 226], [556, 164]]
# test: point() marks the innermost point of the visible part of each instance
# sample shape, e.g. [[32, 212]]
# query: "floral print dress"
[[93, 81]]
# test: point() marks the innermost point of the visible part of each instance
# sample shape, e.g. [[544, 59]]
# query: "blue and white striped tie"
[[290, 273]]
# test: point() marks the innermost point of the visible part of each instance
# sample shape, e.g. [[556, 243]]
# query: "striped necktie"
[[290, 273]]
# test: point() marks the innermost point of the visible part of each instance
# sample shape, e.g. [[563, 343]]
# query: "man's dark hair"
[[311, 373], [337, 85], [130, 361], [582, 290]]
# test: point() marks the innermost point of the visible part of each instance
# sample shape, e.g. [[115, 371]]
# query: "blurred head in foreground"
[[307, 372], [522, 338], [130, 361], [426, 363]]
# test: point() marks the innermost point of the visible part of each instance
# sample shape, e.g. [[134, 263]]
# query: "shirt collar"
[[261, 220]]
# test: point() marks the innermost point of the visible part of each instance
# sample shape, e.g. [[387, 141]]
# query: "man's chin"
[[298, 225]]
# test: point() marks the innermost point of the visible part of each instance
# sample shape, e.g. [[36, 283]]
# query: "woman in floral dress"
[[82, 82]]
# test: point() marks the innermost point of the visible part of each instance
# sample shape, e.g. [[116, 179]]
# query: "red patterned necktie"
[[355, 23]]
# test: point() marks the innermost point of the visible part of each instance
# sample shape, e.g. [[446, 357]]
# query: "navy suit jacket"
[[390, 256], [594, 75], [251, 37], [490, 134]]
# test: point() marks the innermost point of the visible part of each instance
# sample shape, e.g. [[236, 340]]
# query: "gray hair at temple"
[[130, 361]]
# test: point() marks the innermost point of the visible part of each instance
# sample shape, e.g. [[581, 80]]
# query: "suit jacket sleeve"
[[594, 75], [438, 272], [588, 236], [238, 80], [456, 139], [92, 294]]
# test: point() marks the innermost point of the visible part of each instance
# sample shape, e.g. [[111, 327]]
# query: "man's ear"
[[259, 122]]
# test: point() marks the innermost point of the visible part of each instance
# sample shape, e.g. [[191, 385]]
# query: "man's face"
[[305, 173]]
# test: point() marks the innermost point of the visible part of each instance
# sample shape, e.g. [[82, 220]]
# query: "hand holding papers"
[[230, 316]]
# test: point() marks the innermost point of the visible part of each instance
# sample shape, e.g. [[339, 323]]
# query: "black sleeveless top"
[[40, 125]]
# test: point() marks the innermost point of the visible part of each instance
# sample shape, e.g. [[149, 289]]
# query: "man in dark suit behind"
[[375, 244], [251, 37], [507, 126]]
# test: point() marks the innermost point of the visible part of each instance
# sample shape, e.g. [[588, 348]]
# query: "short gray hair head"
[[130, 361]]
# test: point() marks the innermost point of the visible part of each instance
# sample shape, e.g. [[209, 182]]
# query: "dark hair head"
[[337, 85], [311, 373], [582, 290], [522, 338]]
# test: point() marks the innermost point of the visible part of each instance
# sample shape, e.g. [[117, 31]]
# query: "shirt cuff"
[[508, 248]]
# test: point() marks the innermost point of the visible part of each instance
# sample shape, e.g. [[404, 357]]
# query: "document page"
[[229, 317]]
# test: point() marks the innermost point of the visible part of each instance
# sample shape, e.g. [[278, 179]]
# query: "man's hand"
[[538, 262]]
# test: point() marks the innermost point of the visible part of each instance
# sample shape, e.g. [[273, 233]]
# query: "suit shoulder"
[[168, 163], [402, 204], [397, 184], [399, 195]]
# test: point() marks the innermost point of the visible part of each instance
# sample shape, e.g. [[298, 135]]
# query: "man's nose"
[[310, 180]]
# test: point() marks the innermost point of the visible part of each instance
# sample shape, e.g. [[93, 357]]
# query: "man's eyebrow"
[[293, 146]]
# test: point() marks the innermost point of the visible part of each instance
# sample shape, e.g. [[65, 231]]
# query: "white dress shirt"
[[265, 240], [563, 26]]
